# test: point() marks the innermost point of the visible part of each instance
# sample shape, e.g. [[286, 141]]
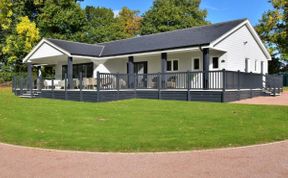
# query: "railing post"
[[224, 80], [53, 88], [188, 85], [159, 85], [13, 84], [238, 84], [224, 85], [98, 86], [251, 84], [117, 85], [65, 86], [81, 86], [21, 85]]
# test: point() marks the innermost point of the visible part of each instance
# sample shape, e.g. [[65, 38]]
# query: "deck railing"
[[212, 80]]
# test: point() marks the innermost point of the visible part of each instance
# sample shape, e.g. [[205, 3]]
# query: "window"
[[215, 61], [172, 65], [175, 65], [196, 64], [169, 65], [86, 69]]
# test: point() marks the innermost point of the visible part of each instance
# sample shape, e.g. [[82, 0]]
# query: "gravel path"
[[267, 100], [268, 160]]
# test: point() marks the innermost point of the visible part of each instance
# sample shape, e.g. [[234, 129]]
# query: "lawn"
[[137, 125]]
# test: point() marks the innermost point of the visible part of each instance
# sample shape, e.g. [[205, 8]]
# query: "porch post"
[[30, 80], [70, 72], [39, 79], [130, 71], [205, 68], [163, 68]]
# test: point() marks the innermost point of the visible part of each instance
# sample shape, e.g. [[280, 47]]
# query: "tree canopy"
[[273, 28], [167, 15]]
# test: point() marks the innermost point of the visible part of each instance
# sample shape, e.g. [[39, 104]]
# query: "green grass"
[[137, 125], [286, 89]]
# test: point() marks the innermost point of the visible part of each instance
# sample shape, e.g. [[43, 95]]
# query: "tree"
[[130, 21], [102, 26], [62, 19], [167, 15], [21, 41], [273, 28]]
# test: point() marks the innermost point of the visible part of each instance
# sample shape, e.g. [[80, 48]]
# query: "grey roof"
[[76, 48], [189, 37]]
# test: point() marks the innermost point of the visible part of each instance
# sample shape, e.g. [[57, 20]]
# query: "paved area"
[[267, 100], [270, 160]]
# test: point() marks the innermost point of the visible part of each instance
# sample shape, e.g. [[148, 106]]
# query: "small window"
[[175, 65], [215, 62], [172, 65], [169, 65], [196, 64]]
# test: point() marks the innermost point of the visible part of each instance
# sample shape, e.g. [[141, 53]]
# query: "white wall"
[[239, 46], [154, 62]]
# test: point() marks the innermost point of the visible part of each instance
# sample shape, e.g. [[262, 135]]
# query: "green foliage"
[[273, 28], [167, 15], [102, 26], [62, 19]]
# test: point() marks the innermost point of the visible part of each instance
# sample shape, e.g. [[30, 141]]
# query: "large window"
[[196, 64], [215, 61], [172, 65], [86, 69]]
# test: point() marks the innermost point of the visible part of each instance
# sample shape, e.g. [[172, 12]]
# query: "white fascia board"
[[27, 57], [151, 53], [252, 31]]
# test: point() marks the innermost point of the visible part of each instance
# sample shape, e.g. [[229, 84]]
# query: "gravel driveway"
[[270, 160]]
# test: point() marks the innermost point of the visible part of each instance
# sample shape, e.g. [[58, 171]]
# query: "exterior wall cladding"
[[102, 96]]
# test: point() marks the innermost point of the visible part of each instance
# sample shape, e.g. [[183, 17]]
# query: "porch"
[[221, 86]]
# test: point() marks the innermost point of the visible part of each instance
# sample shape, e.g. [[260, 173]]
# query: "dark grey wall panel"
[[46, 94], [238, 95], [174, 95], [73, 95], [212, 96], [91, 96], [147, 94]]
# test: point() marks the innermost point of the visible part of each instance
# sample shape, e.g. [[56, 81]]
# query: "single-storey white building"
[[199, 53]]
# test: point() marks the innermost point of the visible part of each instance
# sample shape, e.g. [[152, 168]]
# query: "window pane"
[[175, 65], [196, 64], [215, 62], [169, 66]]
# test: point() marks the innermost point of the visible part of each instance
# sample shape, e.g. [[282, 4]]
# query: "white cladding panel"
[[241, 45], [45, 51]]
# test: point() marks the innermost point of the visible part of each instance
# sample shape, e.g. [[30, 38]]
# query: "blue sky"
[[218, 10]]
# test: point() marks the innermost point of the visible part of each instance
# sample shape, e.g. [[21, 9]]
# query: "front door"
[[140, 68]]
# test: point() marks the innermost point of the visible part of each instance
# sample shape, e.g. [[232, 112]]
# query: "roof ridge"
[[76, 42], [183, 29]]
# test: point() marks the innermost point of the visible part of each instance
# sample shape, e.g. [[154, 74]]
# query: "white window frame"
[[200, 66], [172, 64]]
